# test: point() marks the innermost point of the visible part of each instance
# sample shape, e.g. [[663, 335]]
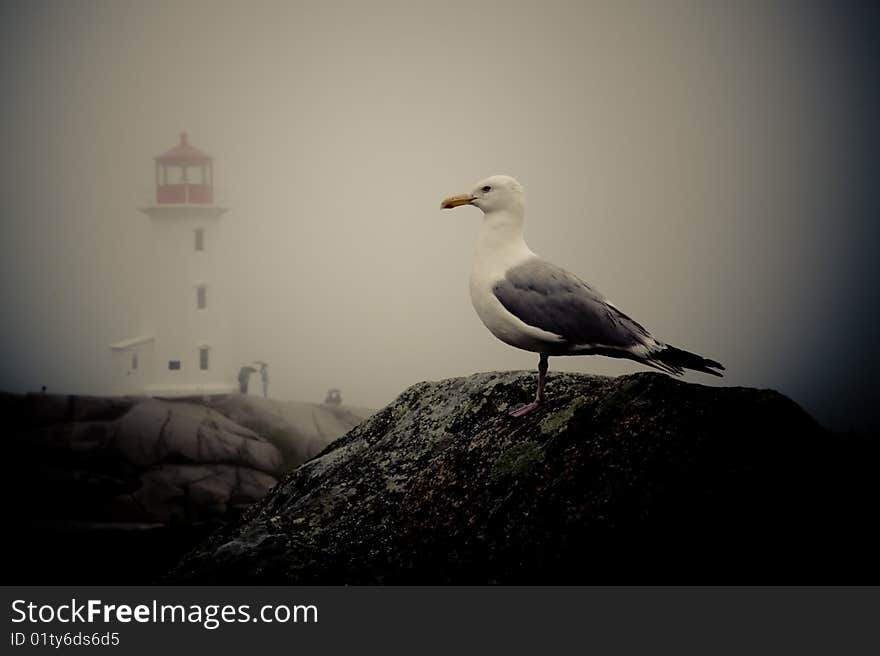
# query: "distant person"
[[244, 377], [43, 389], [264, 376]]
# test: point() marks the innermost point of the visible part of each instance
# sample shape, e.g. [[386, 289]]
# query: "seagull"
[[534, 305]]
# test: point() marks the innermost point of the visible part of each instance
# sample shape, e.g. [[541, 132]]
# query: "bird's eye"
[[487, 189]]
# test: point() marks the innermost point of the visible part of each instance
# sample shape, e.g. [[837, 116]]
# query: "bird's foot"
[[524, 409]]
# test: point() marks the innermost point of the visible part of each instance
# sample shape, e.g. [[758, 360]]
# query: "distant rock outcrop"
[[104, 490], [299, 430], [140, 460], [641, 478]]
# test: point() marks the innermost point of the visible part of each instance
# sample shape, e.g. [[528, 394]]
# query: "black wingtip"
[[678, 358]]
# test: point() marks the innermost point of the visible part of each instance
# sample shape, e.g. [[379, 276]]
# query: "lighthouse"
[[184, 347]]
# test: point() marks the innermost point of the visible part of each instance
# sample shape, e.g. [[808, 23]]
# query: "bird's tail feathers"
[[675, 361]]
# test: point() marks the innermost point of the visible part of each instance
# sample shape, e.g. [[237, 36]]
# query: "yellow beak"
[[455, 201]]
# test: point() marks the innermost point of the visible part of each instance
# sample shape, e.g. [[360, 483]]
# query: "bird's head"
[[500, 192]]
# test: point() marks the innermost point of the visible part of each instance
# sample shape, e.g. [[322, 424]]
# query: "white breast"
[[496, 252]]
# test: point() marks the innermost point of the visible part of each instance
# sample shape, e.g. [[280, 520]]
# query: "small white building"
[[184, 346]]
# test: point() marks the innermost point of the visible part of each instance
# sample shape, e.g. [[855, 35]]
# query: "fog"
[[708, 166]]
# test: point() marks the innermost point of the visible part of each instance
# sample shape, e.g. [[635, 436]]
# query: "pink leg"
[[539, 396], [524, 409]]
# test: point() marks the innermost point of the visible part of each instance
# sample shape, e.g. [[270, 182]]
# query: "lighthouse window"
[[200, 239], [174, 365], [203, 359], [201, 297]]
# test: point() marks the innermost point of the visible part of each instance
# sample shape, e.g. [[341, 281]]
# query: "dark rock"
[[641, 478], [116, 489], [135, 460], [109, 490]]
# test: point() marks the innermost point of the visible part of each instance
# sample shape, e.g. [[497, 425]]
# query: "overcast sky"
[[708, 166]]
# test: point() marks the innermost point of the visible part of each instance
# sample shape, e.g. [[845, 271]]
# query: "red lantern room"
[[184, 175]]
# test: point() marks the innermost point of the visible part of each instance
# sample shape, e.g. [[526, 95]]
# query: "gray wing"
[[548, 297]]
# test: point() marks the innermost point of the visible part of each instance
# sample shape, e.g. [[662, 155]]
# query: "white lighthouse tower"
[[184, 347]]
